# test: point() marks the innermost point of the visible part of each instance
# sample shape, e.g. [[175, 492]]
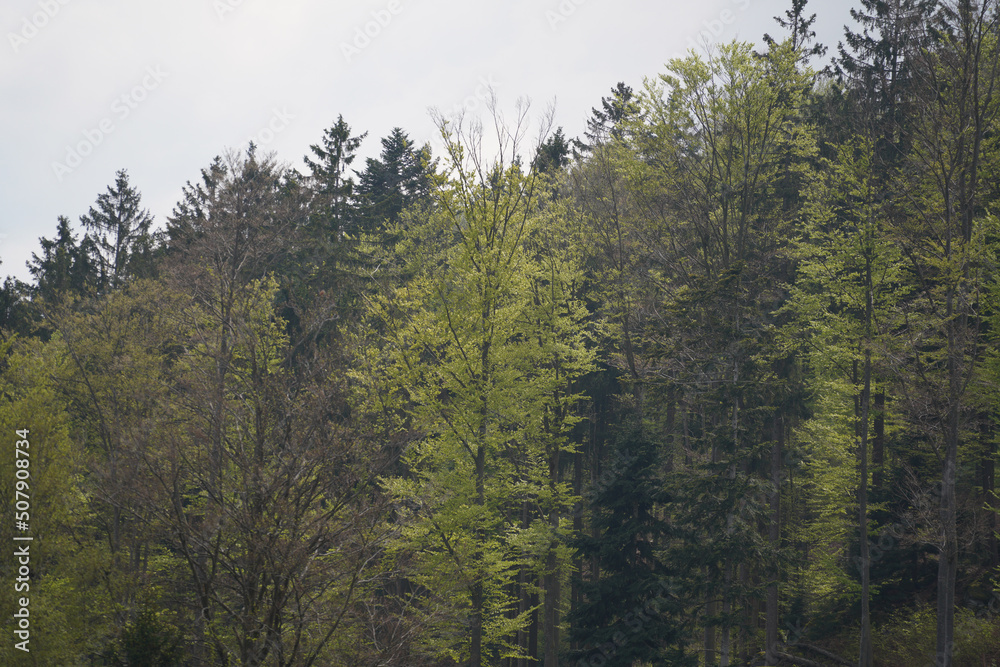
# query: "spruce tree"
[[400, 177], [632, 613], [610, 121], [65, 266], [875, 64], [332, 208], [120, 231]]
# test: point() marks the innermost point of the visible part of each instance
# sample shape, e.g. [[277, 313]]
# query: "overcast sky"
[[88, 87]]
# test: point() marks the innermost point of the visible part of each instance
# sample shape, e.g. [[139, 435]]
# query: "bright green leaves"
[[722, 128], [481, 347]]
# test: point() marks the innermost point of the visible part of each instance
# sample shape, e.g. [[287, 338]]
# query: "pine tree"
[[554, 153], [610, 122], [800, 27], [332, 209], [632, 614], [64, 266], [190, 215], [876, 66], [400, 177], [120, 232], [15, 316]]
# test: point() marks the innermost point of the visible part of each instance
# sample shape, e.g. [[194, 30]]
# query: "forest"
[[716, 383]]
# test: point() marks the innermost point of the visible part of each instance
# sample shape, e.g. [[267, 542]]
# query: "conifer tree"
[[120, 231], [333, 208], [65, 266], [633, 613], [396, 180]]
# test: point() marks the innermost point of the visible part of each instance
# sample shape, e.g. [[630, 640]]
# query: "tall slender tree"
[[333, 208], [482, 345], [120, 230], [846, 256], [956, 83], [722, 130], [396, 180]]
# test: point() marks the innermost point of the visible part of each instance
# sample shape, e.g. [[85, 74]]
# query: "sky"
[[89, 87]]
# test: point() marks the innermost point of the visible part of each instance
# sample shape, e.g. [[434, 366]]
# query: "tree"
[[955, 82], [119, 230], [333, 205], [398, 179], [633, 612], [849, 284], [482, 346], [71, 610], [274, 519], [269, 491], [707, 164], [112, 384], [875, 64], [609, 123], [554, 153], [331, 259], [64, 267], [800, 28], [190, 215], [559, 323], [15, 310]]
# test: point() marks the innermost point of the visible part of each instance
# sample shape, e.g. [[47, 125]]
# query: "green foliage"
[[634, 612], [481, 347], [843, 303], [394, 182], [907, 638], [647, 406], [119, 239], [148, 642], [68, 599]]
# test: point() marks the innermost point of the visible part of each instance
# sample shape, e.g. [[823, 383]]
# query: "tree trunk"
[[476, 622], [533, 629], [865, 648], [575, 592], [878, 441], [710, 607], [551, 579], [725, 648], [524, 601], [989, 496], [551, 611], [771, 622], [865, 657], [948, 559]]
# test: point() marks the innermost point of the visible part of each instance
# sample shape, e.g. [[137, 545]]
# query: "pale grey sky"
[[88, 87]]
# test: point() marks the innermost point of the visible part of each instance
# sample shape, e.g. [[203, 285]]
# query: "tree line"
[[713, 384]]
